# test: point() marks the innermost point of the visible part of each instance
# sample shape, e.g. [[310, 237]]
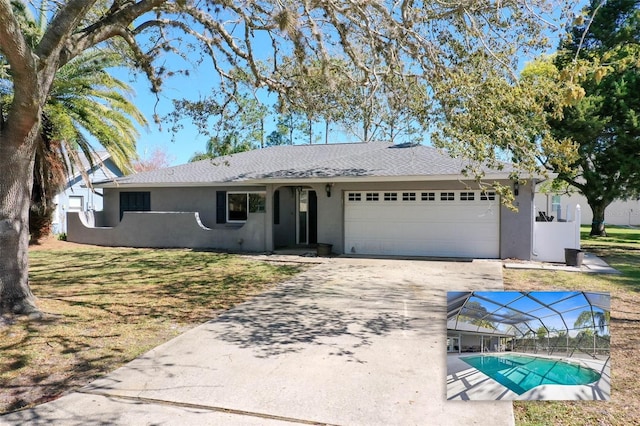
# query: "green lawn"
[[621, 249], [106, 306]]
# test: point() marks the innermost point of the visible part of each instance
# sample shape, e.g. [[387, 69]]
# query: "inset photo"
[[538, 345]]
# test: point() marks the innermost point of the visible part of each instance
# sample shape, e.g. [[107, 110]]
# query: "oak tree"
[[424, 40], [602, 51]]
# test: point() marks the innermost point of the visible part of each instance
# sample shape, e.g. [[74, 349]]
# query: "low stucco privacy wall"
[[166, 229], [186, 217]]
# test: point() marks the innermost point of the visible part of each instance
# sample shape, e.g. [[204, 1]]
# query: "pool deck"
[[467, 383]]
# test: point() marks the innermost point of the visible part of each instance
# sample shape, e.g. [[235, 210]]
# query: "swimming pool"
[[521, 373]]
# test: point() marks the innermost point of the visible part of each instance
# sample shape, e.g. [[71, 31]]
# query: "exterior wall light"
[[516, 188], [327, 188]]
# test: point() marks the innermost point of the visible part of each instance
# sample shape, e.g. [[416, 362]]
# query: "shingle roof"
[[98, 158], [299, 162]]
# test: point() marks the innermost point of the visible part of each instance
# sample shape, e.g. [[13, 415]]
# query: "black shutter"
[[221, 206], [313, 217], [134, 202], [276, 207]]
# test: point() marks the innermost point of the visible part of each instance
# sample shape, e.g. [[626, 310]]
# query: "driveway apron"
[[347, 342]]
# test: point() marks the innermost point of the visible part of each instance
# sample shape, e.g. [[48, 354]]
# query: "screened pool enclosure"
[[571, 324]]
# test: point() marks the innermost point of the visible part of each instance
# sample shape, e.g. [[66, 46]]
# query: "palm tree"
[[599, 320], [85, 102]]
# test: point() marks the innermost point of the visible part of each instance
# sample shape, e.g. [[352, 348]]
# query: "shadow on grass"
[[122, 282], [107, 306]]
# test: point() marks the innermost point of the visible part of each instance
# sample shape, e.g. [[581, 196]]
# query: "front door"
[[307, 217]]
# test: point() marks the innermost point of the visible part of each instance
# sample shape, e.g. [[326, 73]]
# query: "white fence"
[[551, 238]]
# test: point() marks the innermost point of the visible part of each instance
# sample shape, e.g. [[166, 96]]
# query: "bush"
[[40, 218]]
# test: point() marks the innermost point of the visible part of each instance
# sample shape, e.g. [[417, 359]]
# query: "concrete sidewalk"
[[348, 342], [592, 264]]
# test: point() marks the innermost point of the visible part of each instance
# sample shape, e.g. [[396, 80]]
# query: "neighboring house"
[[561, 206], [77, 196], [363, 199]]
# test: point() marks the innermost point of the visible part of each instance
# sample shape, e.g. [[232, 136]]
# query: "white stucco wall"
[[169, 229], [622, 213]]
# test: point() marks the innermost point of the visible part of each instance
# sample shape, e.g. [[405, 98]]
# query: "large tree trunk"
[[597, 224], [16, 179]]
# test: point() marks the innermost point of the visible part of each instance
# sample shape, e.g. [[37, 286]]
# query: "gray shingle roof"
[[299, 162]]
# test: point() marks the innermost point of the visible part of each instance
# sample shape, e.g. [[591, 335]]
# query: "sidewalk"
[[592, 264]]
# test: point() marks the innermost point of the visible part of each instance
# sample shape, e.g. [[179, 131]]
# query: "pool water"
[[521, 373]]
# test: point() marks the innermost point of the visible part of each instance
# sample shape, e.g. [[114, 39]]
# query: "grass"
[[105, 306], [621, 249]]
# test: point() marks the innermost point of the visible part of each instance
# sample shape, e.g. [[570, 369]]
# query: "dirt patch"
[[51, 242]]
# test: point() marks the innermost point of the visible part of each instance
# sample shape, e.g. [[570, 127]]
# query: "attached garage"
[[422, 223]]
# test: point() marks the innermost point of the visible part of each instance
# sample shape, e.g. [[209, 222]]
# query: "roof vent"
[[405, 145]]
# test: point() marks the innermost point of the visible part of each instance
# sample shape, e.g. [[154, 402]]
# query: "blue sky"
[[179, 146], [568, 304], [183, 144]]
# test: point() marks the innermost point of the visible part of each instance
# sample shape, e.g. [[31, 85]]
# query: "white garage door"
[[423, 223]]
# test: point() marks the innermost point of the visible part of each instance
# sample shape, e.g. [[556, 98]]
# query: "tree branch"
[[115, 21], [63, 24], [14, 47], [23, 71]]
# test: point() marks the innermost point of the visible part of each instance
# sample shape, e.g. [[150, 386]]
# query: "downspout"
[[534, 254]]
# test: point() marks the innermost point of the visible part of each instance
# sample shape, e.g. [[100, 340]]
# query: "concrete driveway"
[[348, 342]]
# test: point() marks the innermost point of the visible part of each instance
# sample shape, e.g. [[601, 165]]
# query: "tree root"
[[28, 309]]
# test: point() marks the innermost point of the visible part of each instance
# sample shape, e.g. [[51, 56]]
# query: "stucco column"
[[268, 218]]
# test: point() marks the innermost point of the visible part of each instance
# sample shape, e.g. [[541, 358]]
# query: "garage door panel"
[[420, 213], [450, 228]]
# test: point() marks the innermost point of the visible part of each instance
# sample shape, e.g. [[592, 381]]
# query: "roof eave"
[[295, 181]]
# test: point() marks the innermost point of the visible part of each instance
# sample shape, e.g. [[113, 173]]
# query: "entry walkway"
[[592, 264], [347, 342]]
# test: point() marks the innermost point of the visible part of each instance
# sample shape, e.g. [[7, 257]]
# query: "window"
[[447, 196], [355, 196], [408, 196], [428, 196], [134, 202], [488, 196], [555, 205], [390, 196], [240, 204], [467, 196], [237, 207], [373, 196], [257, 203], [76, 203]]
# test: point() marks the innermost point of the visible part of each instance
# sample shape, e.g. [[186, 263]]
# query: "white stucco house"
[[561, 206], [77, 196], [362, 198]]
